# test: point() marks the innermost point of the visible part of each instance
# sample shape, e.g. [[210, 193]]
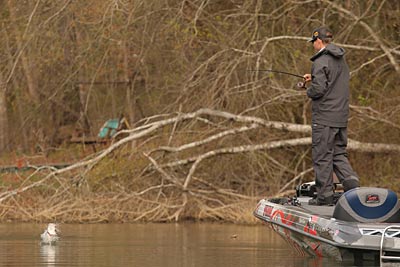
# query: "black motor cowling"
[[369, 205]]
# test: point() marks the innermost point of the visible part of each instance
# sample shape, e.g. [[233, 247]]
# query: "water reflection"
[[48, 253], [149, 245]]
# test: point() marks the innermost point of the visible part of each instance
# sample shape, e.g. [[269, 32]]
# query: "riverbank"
[[82, 206], [115, 191]]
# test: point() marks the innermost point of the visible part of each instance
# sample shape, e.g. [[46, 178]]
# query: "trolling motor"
[[299, 84]]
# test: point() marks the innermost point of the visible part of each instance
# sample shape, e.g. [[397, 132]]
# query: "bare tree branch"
[[370, 31]]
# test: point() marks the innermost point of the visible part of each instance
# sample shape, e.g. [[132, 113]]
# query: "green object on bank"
[[109, 128]]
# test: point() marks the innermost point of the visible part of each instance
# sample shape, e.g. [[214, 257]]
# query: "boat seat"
[[368, 205]]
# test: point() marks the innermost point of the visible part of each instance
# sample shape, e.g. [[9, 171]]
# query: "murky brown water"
[[149, 245]]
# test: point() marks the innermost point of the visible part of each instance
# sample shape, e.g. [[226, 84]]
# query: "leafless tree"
[[210, 132]]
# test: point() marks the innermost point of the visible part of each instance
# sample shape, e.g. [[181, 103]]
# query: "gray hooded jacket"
[[329, 89]]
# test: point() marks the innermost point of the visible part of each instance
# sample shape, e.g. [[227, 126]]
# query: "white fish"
[[50, 235]]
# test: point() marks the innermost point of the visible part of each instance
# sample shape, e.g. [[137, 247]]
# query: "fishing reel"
[[306, 78], [301, 85]]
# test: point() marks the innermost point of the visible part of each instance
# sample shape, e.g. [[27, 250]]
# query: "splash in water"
[[50, 235]]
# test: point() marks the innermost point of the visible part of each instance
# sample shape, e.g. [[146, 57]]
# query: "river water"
[[188, 244]]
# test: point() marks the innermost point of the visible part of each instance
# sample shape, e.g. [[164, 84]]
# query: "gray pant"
[[329, 155]]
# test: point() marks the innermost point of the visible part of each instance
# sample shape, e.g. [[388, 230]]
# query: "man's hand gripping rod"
[[299, 84]]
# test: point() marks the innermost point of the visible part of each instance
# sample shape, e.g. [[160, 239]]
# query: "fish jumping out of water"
[[50, 235]]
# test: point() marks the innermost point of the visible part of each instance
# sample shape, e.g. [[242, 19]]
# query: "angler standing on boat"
[[329, 91]]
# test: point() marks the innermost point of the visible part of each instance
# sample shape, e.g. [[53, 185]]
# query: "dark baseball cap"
[[321, 33]]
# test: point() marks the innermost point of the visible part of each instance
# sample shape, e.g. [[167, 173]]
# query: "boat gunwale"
[[304, 215]]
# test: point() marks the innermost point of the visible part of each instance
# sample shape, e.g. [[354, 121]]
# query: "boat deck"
[[326, 211]]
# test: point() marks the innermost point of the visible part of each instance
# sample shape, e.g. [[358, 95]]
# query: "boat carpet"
[[317, 210]]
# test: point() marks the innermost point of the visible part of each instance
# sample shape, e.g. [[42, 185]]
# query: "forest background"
[[207, 136]]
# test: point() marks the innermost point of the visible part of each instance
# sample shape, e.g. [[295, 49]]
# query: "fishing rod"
[[299, 84]]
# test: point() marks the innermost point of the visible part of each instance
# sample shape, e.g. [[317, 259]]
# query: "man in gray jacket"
[[329, 91]]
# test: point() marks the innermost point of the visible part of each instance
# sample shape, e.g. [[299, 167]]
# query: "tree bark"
[[3, 116], [27, 65]]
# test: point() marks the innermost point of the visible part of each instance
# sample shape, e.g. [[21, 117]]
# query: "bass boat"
[[363, 225]]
